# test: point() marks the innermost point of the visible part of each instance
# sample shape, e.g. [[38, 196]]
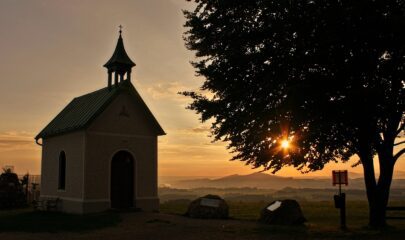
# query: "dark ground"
[[322, 224]]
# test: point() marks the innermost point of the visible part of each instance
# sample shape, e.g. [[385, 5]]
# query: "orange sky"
[[52, 51]]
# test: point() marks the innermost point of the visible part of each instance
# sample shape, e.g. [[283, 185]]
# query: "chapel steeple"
[[119, 64]]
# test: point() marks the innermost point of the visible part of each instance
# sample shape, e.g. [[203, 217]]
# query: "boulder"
[[282, 212], [208, 207]]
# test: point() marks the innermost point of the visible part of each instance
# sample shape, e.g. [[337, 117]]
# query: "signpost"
[[340, 177]]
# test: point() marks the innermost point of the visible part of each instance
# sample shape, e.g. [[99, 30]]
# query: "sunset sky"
[[52, 51]]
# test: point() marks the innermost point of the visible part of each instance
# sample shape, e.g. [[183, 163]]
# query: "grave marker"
[[210, 202], [274, 206]]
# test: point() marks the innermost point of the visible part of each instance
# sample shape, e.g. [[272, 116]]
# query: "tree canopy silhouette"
[[327, 75]]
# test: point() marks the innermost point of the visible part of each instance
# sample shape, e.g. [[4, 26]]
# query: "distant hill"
[[354, 175], [267, 181]]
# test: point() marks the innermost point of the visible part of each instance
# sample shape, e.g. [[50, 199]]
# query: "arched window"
[[62, 171]]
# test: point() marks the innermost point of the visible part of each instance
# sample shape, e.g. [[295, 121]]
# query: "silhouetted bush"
[[11, 191]]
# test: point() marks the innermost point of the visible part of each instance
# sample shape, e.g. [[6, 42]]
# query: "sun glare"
[[285, 144]]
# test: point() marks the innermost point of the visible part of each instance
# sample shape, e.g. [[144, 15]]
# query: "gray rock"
[[282, 212], [208, 207]]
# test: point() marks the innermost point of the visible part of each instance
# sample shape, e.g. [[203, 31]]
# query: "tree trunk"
[[377, 211], [377, 193]]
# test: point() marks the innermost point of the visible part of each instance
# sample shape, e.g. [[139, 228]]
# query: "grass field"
[[322, 217], [323, 223]]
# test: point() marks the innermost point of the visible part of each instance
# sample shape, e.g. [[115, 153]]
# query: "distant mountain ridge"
[[263, 180]]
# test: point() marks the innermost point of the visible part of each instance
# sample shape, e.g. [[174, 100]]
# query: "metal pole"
[[340, 189], [342, 197]]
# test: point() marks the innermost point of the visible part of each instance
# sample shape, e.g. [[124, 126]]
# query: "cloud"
[[14, 140], [201, 129], [204, 129], [167, 90], [185, 152]]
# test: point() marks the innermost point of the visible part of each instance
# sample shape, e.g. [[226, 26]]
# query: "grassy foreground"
[[318, 213], [28, 220], [323, 217], [323, 223]]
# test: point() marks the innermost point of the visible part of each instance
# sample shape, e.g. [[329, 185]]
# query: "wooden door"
[[122, 180]]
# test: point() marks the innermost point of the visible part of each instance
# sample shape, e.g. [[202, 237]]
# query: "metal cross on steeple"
[[120, 26]]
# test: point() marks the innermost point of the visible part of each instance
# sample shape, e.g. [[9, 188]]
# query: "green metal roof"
[[81, 111]]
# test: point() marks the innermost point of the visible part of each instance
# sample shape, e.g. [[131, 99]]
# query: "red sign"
[[340, 177]]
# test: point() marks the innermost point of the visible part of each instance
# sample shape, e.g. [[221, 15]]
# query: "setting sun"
[[285, 144]]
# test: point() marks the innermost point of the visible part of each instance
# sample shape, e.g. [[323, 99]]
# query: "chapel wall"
[[125, 115], [73, 144], [122, 126], [100, 151]]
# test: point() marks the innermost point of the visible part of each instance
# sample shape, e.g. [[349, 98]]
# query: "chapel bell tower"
[[119, 64]]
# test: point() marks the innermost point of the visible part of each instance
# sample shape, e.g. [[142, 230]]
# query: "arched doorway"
[[122, 180]]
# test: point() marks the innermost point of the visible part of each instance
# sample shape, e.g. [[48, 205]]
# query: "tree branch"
[[401, 127], [379, 141], [399, 143], [398, 154]]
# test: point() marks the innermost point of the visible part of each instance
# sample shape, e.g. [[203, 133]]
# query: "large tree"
[[327, 75]]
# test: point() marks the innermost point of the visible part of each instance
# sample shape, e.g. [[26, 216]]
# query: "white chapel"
[[100, 151]]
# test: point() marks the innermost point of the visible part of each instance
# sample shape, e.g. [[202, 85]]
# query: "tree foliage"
[[326, 74]]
